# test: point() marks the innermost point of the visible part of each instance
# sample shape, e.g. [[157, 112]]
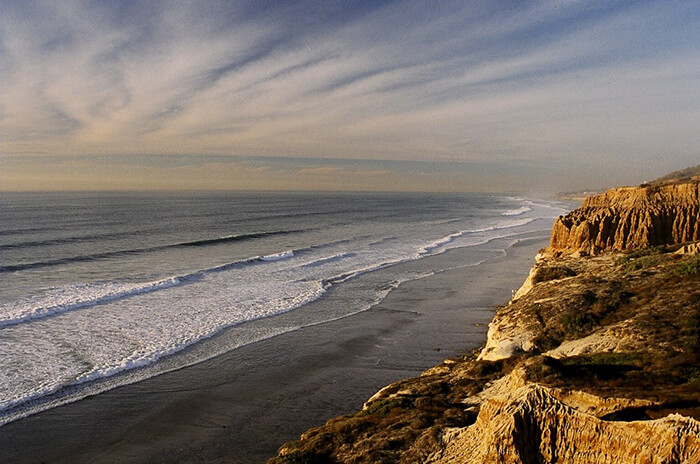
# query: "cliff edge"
[[596, 359], [628, 218]]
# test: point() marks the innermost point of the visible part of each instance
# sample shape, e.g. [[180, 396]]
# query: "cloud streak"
[[570, 83]]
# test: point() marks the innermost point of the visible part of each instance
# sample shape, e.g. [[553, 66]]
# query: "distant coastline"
[[579, 195]]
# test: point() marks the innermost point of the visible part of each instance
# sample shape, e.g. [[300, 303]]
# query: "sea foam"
[[81, 333]]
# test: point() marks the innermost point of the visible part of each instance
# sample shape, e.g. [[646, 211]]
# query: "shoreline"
[[594, 359], [242, 405]]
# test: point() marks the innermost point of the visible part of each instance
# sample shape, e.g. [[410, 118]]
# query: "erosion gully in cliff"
[[596, 359]]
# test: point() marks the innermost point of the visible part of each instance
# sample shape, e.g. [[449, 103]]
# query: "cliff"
[[596, 359], [631, 217], [533, 424]]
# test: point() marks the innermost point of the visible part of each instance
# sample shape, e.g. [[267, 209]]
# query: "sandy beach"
[[241, 406]]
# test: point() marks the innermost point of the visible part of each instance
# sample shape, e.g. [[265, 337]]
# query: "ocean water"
[[98, 290]]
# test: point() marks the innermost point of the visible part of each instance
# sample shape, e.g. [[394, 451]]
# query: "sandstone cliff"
[[530, 424], [631, 217], [596, 359]]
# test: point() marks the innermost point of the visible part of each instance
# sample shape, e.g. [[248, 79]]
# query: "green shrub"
[[609, 301], [383, 408], [643, 262], [577, 323], [641, 259], [615, 359], [543, 369], [548, 339], [687, 268]]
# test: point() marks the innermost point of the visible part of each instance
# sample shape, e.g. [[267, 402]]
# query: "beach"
[[241, 406]]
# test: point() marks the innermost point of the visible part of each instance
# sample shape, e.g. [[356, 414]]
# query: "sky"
[[526, 96]]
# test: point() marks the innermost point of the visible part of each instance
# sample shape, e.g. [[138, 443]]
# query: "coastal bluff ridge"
[[596, 359], [628, 218]]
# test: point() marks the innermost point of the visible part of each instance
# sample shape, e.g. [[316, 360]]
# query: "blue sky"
[[365, 95]]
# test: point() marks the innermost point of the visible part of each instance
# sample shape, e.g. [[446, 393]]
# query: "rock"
[[531, 425], [504, 341], [594, 343], [627, 218], [689, 249]]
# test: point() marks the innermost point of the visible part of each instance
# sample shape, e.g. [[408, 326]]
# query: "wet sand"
[[241, 406]]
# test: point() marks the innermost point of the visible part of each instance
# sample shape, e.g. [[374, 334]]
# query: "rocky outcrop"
[[512, 330], [631, 217], [689, 249], [530, 424]]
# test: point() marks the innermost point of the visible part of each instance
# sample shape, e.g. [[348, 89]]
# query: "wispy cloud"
[[578, 83]]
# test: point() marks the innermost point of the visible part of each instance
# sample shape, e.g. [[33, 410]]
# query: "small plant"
[[614, 359], [577, 323], [687, 268], [383, 408], [547, 340], [543, 369], [641, 259], [641, 252], [609, 301]]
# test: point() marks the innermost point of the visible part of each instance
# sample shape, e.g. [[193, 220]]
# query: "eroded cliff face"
[[530, 423], [631, 217]]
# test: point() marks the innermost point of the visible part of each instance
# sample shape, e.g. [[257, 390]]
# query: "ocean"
[[104, 289]]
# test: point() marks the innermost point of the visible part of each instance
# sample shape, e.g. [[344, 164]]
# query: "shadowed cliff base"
[[596, 359]]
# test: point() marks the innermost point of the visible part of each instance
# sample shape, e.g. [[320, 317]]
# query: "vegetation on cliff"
[[682, 176]]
